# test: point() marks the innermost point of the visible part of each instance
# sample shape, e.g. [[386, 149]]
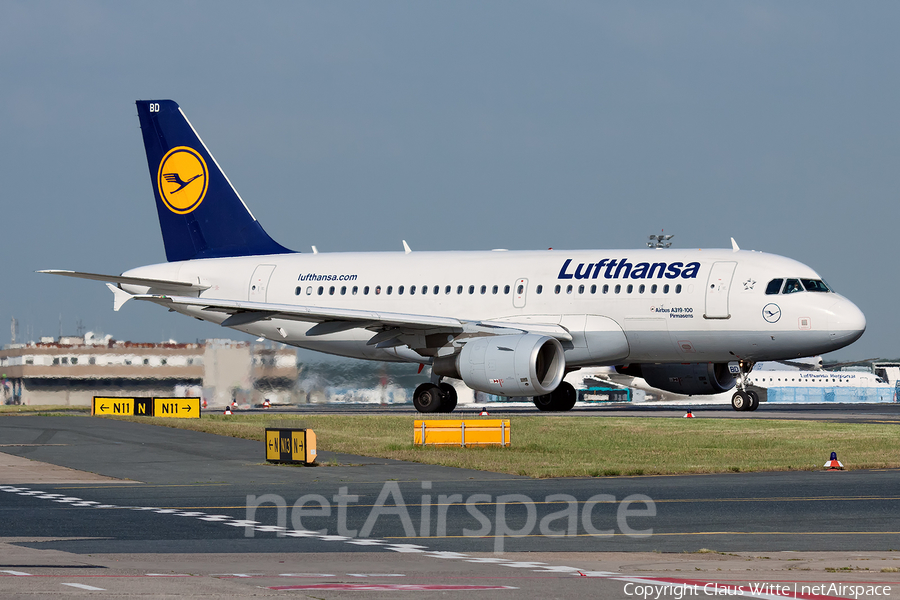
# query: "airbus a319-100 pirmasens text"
[[506, 323]]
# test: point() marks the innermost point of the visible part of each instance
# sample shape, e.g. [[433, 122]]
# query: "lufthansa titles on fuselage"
[[620, 268]]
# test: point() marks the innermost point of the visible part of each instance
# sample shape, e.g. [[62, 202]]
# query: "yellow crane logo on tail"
[[182, 179]]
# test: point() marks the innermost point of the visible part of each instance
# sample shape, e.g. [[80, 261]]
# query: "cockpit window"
[[791, 286], [774, 286], [814, 285]]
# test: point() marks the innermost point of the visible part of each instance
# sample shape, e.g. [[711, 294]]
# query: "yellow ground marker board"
[[291, 445], [182, 408], [177, 408], [467, 432], [104, 405]]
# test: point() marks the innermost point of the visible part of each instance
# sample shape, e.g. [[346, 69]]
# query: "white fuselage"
[[650, 306]]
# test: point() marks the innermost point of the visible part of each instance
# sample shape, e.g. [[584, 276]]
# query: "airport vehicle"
[[506, 323]]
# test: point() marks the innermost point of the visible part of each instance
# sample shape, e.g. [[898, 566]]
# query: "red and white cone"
[[484, 412], [228, 410], [688, 415], [204, 403], [834, 464], [266, 403]]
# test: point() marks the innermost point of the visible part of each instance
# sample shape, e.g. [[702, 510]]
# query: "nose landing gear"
[[744, 399]]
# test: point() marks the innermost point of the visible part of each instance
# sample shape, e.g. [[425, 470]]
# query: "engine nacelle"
[[691, 379], [507, 365]]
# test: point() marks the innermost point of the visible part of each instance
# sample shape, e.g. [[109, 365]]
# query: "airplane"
[[511, 323], [765, 375]]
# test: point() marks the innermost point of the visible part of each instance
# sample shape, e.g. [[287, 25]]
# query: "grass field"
[[61, 409], [545, 446]]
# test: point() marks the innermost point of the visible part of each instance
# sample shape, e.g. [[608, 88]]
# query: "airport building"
[[72, 370]]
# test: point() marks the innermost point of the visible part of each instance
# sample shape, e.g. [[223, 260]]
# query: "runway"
[[182, 493], [860, 413]]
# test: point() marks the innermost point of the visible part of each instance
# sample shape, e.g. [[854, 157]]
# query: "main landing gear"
[[561, 399], [744, 399], [435, 398]]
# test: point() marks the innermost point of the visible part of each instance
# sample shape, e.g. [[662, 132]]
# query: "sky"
[[455, 126]]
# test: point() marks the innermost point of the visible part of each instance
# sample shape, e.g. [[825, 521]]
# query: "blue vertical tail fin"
[[201, 215]]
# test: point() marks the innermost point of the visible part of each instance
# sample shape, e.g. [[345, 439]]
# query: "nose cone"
[[845, 322]]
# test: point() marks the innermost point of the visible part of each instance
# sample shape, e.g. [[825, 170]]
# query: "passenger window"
[[792, 286], [366, 291], [641, 288], [471, 289], [593, 289], [678, 289], [774, 287], [538, 289], [399, 290], [495, 289], [666, 289], [556, 289], [390, 289], [309, 291], [437, 289], [521, 289], [483, 289], [618, 288], [630, 288], [581, 289], [297, 291], [343, 290], [459, 289], [814, 285], [506, 289], [653, 289], [424, 289], [321, 290], [355, 289], [569, 289], [605, 288], [331, 291], [377, 290], [412, 290], [446, 290]]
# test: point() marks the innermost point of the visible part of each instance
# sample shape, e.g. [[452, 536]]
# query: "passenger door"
[[717, 289], [259, 283]]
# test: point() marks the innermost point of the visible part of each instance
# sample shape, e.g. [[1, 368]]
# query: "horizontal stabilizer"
[[158, 284]]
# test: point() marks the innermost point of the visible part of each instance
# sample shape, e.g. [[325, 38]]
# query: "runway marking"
[[389, 587], [655, 534], [82, 586], [17, 573], [563, 502]]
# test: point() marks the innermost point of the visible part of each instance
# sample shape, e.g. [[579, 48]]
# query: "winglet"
[[406, 248], [120, 296], [734, 246]]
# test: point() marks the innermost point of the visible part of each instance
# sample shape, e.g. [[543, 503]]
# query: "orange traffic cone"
[[266, 403], [204, 403], [484, 412], [688, 415], [833, 463], [228, 410]]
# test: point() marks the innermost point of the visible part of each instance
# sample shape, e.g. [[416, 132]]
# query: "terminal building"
[[70, 371]]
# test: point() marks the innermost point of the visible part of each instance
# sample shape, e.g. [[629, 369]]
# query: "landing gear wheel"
[[428, 398], [754, 400], [740, 400], [544, 402], [566, 396], [561, 399], [449, 401]]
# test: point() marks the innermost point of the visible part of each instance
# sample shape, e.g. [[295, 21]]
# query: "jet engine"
[[690, 379], [507, 365]]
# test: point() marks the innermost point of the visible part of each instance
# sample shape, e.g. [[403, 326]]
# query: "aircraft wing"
[[162, 285], [334, 320]]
